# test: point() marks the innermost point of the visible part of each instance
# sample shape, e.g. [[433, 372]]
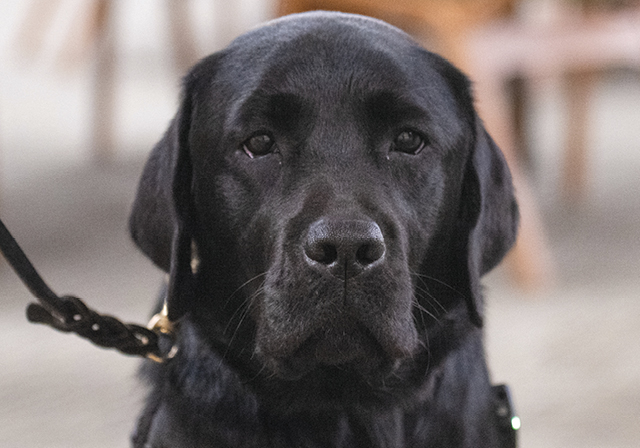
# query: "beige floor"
[[571, 353]]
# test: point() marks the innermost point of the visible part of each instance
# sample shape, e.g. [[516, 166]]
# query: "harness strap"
[[70, 315]]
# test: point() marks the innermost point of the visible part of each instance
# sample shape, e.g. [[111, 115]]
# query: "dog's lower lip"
[[372, 371], [360, 353]]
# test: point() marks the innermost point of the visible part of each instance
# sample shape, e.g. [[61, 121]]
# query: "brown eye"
[[409, 142], [258, 145]]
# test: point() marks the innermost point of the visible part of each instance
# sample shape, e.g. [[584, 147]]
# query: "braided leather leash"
[[70, 315]]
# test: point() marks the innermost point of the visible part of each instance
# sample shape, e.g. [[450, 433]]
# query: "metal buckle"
[[507, 420], [161, 324]]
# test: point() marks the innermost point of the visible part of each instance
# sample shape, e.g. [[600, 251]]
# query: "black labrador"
[[325, 202]]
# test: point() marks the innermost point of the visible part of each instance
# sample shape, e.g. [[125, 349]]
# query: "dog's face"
[[343, 199]]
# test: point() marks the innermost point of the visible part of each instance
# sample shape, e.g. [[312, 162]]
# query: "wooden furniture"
[[575, 45], [447, 20]]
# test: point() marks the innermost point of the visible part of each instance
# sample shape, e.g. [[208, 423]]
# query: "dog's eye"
[[409, 142], [258, 145]]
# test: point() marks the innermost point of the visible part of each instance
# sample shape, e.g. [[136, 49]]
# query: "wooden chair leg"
[[31, 33], [180, 26], [530, 261], [579, 89], [185, 53], [102, 126], [518, 94]]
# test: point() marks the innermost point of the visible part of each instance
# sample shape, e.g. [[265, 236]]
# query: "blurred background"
[[88, 86]]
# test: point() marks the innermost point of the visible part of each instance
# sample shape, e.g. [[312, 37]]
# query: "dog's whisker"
[[440, 282], [426, 291], [433, 301], [259, 373], [239, 288], [241, 307], [424, 322], [421, 308], [244, 310]]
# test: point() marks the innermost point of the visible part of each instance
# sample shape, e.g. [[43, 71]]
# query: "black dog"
[[342, 200]]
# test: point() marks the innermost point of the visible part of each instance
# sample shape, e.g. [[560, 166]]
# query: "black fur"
[[337, 302]]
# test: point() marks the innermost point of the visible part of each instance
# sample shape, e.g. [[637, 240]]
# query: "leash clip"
[[161, 325]]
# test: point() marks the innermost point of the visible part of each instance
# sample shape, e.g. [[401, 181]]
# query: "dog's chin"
[[303, 386], [356, 354]]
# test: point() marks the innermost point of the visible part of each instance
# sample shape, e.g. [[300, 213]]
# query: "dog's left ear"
[[161, 219], [491, 212]]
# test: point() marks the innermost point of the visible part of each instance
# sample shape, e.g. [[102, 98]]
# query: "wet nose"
[[344, 247]]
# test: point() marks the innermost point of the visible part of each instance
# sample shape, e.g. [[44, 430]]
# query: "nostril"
[[322, 252], [370, 252]]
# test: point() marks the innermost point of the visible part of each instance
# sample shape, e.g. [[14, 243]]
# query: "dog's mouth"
[[337, 347]]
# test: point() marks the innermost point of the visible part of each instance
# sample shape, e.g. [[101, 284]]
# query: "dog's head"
[[341, 194]]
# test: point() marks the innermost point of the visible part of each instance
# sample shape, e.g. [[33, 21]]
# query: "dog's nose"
[[344, 247]]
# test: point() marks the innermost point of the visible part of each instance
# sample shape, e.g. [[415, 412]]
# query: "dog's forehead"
[[327, 60], [330, 24], [320, 47]]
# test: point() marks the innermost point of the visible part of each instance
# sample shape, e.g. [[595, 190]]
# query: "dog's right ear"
[[162, 216]]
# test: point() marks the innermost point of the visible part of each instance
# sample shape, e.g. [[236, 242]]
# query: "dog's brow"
[[283, 110], [280, 109], [387, 105], [283, 105]]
